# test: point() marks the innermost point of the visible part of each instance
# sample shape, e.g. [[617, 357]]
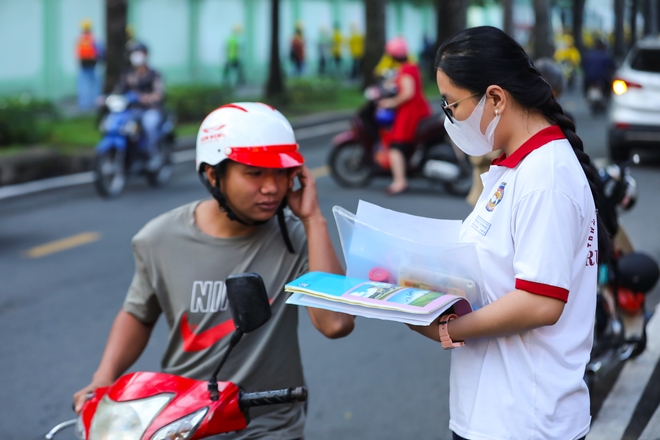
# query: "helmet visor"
[[271, 156]]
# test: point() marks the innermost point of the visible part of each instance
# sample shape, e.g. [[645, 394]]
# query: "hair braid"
[[554, 112]]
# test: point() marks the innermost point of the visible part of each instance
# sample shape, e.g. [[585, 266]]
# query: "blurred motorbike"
[[596, 97], [621, 316], [361, 153], [123, 149], [160, 406]]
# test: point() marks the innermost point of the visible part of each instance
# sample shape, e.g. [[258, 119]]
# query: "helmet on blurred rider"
[[250, 133], [397, 48], [552, 73]]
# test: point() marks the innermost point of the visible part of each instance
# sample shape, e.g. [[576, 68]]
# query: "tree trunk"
[[507, 9], [116, 12], [542, 36], [275, 86], [374, 38], [634, 9], [451, 18], [650, 17], [619, 43], [578, 21]]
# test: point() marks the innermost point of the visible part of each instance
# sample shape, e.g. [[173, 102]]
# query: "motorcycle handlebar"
[[273, 397]]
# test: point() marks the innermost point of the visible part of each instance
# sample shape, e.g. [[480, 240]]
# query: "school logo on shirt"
[[496, 198]]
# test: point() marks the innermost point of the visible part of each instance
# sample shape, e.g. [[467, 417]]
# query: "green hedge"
[[303, 91], [24, 120], [191, 103]]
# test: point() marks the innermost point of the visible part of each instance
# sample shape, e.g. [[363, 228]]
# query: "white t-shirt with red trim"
[[535, 230]]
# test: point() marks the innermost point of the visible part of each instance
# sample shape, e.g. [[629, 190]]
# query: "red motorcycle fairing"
[[190, 395]]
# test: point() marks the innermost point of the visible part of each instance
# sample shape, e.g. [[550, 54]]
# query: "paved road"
[[383, 382]]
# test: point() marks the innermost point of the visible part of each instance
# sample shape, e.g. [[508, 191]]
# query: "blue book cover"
[[374, 294]]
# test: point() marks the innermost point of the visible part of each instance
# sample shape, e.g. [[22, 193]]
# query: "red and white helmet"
[[251, 133]]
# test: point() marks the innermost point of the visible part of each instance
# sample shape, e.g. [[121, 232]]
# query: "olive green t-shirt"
[[180, 272]]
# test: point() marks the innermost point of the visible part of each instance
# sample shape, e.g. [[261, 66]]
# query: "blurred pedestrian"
[[233, 61], [568, 56], [356, 45], [337, 43], [297, 51], [88, 53], [323, 46]]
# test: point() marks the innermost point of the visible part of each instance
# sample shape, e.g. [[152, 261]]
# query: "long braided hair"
[[479, 57]]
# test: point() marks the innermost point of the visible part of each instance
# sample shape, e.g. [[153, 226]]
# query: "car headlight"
[[126, 420], [181, 429]]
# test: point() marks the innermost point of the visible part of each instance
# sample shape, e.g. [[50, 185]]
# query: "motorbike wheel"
[[163, 174], [348, 165], [110, 173]]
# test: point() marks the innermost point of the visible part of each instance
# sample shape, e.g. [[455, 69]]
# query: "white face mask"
[[138, 58], [467, 134]]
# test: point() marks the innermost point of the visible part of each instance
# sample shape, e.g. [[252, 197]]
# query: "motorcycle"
[[360, 154], [596, 97], [159, 406], [621, 317], [123, 149]]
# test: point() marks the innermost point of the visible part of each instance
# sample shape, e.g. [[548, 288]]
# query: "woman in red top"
[[411, 107]]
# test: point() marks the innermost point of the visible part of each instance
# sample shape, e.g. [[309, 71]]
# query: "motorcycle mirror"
[[248, 301]]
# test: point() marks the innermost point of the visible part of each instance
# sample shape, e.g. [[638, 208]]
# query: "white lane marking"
[[321, 130], [36, 186]]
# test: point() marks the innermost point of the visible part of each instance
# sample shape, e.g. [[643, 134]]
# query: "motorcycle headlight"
[[116, 103], [131, 128], [181, 429], [126, 420]]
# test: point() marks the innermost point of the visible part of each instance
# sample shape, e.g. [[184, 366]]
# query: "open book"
[[411, 303]]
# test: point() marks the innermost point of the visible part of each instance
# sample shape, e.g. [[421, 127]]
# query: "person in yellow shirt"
[[356, 45], [337, 42], [568, 56]]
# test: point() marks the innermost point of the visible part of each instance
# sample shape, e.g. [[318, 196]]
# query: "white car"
[[634, 117]]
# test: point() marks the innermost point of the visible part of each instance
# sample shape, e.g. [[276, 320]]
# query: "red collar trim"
[[548, 134]]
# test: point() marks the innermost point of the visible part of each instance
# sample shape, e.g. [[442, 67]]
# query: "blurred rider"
[[248, 159], [411, 107], [598, 67], [147, 83]]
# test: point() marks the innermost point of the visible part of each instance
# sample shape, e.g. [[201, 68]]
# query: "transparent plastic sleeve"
[[374, 254]]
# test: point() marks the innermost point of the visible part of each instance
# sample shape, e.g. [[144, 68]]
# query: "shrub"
[[24, 120], [312, 90], [191, 103]]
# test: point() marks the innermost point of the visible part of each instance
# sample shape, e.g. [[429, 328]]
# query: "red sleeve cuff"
[[542, 289]]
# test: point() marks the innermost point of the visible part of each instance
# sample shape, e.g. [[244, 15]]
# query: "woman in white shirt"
[[518, 373]]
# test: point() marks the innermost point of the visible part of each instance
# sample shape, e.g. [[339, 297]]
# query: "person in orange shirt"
[[88, 53]]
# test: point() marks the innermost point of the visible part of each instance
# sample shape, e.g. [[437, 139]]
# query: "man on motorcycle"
[[248, 159], [148, 85], [598, 66]]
